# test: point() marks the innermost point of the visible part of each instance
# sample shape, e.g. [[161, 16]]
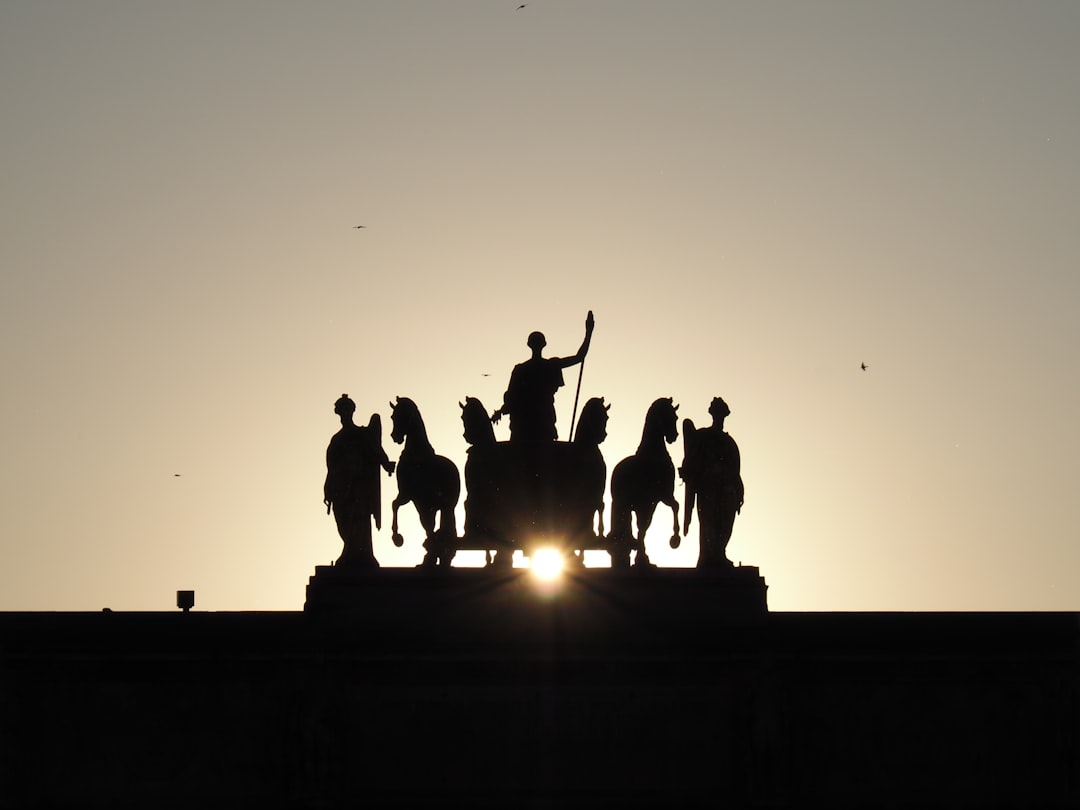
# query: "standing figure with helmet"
[[711, 470]]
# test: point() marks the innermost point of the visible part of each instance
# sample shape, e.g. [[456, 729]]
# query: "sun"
[[547, 564]]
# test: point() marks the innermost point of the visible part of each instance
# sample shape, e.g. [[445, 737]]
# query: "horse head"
[[402, 417], [663, 415], [592, 429], [477, 424]]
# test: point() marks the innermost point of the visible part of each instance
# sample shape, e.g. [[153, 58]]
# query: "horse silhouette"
[[640, 482], [487, 487], [591, 432], [520, 496], [432, 483]]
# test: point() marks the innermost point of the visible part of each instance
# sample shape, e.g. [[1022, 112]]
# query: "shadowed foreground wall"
[[487, 690]]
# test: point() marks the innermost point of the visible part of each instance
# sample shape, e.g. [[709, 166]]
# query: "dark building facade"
[[467, 687]]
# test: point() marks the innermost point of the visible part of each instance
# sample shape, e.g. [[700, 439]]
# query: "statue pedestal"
[[463, 608]]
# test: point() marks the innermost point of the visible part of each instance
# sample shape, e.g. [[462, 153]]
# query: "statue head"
[[718, 409], [344, 406], [536, 341]]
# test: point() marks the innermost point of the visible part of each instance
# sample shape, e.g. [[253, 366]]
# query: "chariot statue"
[[534, 490]]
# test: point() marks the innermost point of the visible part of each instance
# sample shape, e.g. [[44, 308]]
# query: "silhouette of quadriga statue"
[[640, 482], [513, 504], [432, 483], [533, 489], [352, 490], [711, 472]]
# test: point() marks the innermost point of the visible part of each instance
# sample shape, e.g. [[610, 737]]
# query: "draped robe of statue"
[[530, 400], [352, 487], [711, 471]]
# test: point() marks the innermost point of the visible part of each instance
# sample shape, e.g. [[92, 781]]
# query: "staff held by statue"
[[589, 324]]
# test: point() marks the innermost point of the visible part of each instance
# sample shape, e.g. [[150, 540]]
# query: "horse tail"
[[620, 521], [619, 529], [448, 523], [451, 493], [620, 539]]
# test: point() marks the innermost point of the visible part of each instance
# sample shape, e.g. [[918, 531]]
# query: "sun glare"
[[547, 564]]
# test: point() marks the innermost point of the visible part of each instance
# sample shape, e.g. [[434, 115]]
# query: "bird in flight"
[[863, 366], [519, 8], [359, 226]]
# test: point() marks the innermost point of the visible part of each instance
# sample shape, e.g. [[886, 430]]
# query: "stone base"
[[480, 607]]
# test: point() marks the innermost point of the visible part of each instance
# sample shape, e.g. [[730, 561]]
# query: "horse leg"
[[447, 533], [399, 501], [675, 536], [620, 539], [447, 520], [426, 514], [644, 520]]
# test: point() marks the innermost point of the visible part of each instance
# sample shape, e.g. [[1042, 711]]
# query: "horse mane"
[[652, 418], [405, 409], [654, 409]]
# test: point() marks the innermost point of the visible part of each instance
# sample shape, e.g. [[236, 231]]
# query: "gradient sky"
[[753, 198]]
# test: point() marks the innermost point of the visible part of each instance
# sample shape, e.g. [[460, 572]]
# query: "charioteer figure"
[[534, 487], [712, 475], [529, 400], [352, 489]]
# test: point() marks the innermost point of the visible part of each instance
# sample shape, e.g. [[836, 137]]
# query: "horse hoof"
[[399, 541], [675, 541]]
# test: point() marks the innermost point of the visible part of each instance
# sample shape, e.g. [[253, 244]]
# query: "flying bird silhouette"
[[359, 226], [863, 366], [519, 8]]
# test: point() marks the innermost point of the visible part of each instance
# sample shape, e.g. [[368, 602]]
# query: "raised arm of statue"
[[584, 349]]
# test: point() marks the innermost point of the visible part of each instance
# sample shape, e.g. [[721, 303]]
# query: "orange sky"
[[753, 198]]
